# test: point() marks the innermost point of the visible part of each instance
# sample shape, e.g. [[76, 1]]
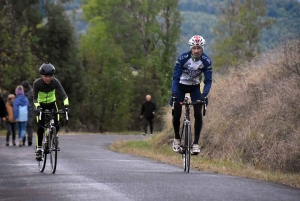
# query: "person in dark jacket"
[[29, 95], [3, 112], [147, 112]]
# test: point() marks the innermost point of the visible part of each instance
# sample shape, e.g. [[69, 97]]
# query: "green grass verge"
[[164, 153]]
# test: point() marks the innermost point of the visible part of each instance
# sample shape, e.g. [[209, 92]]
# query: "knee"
[[176, 117], [40, 130], [198, 117], [177, 112], [197, 113]]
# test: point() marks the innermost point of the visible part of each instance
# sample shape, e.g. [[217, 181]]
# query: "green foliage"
[[17, 28], [287, 26], [144, 33], [197, 23], [130, 47], [28, 41], [239, 29], [108, 80]]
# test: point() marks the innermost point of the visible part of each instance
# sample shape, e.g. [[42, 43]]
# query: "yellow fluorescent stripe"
[[66, 101], [57, 110]]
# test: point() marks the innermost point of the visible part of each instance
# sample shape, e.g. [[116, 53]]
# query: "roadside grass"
[[165, 154], [2, 132]]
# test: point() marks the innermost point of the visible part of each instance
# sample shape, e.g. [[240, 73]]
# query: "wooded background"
[[109, 54]]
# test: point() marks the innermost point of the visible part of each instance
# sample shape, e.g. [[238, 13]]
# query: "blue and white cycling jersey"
[[187, 72]]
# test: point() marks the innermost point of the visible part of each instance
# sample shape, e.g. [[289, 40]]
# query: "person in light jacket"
[[20, 106], [28, 92]]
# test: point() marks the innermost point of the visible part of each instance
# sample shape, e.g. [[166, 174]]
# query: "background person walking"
[[10, 122], [147, 112], [21, 112]]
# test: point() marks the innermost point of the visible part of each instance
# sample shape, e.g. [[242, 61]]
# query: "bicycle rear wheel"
[[42, 163], [53, 150]]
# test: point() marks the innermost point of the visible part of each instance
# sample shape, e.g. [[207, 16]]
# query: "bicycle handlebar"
[[186, 103], [48, 112]]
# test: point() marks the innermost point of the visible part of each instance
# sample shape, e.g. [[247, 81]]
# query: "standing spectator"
[[21, 112], [10, 122], [3, 111], [29, 95], [147, 112]]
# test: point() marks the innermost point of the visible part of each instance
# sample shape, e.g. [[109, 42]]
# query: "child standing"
[[20, 106], [10, 122]]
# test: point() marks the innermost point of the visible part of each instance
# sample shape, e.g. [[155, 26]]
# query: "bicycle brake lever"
[[40, 116]]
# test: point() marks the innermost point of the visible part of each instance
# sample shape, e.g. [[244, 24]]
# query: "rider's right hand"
[[171, 100], [38, 110]]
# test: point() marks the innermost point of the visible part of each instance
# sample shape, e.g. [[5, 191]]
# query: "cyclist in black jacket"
[[147, 112]]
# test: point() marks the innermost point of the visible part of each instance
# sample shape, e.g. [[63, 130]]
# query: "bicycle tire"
[[182, 146], [42, 163], [53, 150], [188, 148]]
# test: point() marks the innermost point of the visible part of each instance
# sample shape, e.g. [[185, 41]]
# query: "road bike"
[[186, 137], [49, 144]]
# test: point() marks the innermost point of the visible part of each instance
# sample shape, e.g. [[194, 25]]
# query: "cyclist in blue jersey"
[[186, 79]]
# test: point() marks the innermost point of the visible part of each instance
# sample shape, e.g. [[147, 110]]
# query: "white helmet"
[[197, 41]]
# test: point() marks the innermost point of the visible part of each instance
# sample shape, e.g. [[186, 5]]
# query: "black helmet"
[[47, 69]]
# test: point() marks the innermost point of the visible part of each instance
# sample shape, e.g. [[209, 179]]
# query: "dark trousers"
[[198, 121], [29, 128], [195, 94], [41, 123], [146, 121], [11, 128]]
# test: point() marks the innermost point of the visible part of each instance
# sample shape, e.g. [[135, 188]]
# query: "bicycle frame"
[[186, 136], [50, 143], [48, 128]]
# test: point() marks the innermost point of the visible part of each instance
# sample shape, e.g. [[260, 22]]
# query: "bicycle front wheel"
[[182, 146], [53, 150], [188, 138], [42, 163]]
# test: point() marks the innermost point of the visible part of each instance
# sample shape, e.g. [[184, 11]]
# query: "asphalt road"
[[88, 170]]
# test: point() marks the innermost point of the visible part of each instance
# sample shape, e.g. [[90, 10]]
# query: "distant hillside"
[[199, 17]]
